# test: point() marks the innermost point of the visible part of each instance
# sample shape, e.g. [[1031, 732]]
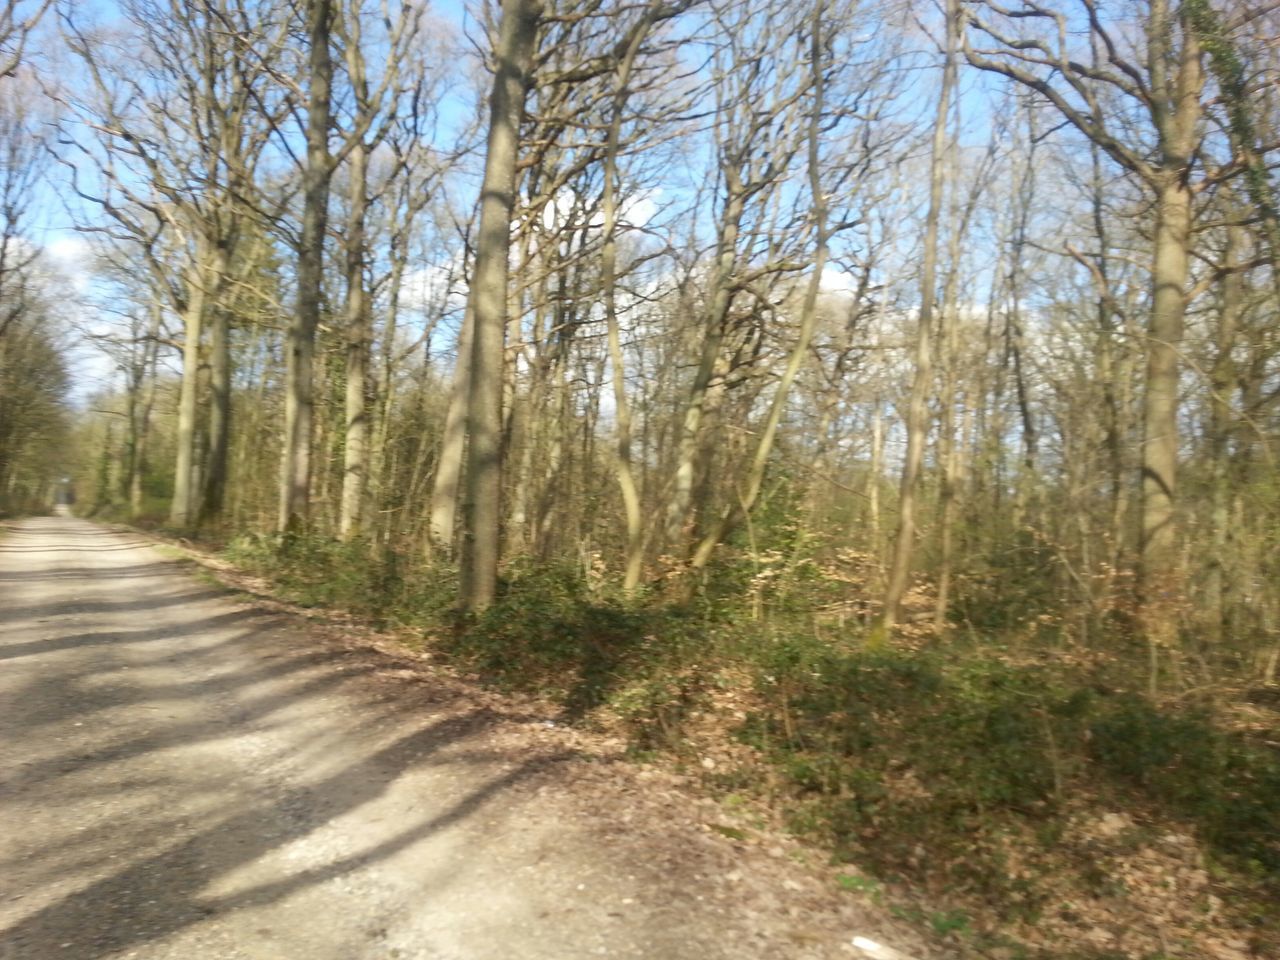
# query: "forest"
[[870, 406]]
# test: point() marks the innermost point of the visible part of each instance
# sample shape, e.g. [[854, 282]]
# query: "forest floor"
[[196, 773]]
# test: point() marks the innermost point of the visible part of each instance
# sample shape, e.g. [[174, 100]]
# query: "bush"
[[548, 633], [1230, 788], [941, 750], [353, 576], [907, 748], [879, 753]]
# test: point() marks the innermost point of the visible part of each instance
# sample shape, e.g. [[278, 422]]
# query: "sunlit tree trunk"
[[633, 551], [182, 509], [295, 479], [1162, 588], [446, 485], [482, 511], [355, 465], [917, 418]]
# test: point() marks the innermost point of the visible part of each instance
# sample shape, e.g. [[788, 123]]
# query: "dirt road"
[[188, 775]]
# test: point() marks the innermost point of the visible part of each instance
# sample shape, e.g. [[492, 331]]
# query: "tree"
[[17, 19], [487, 303], [371, 105], [372, 121], [841, 153], [21, 146], [917, 417], [33, 413], [317, 171], [1160, 86], [175, 137], [760, 92], [623, 78]]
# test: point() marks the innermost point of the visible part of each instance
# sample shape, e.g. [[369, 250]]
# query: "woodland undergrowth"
[[1011, 777]]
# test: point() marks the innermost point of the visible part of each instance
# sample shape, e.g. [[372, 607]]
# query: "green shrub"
[[548, 633], [889, 751], [353, 576], [878, 753], [883, 752], [1228, 787]]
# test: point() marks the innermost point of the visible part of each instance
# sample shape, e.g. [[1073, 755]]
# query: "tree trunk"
[[633, 551], [142, 433], [716, 316], [1176, 113], [355, 465], [1222, 379], [182, 509], [295, 478], [948, 445], [379, 461], [445, 486], [214, 495], [746, 501], [874, 475], [482, 512], [1162, 589], [917, 420]]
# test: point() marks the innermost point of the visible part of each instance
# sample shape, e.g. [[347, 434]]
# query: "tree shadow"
[[114, 718], [98, 638], [132, 571], [162, 892], [61, 611]]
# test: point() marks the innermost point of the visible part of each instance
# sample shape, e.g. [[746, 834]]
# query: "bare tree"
[[760, 93], [482, 514], [317, 172], [917, 417], [372, 121], [1140, 93], [17, 19], [174, 143], [21, 149], [842, 150]]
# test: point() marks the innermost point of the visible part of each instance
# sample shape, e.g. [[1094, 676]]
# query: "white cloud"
[[640, 208], [835, 280], [70, 258], [423, 289], [635, 211]]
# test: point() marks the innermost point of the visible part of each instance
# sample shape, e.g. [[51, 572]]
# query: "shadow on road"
[[125, 572], [251, 675], [159, 895], [80, 609]]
